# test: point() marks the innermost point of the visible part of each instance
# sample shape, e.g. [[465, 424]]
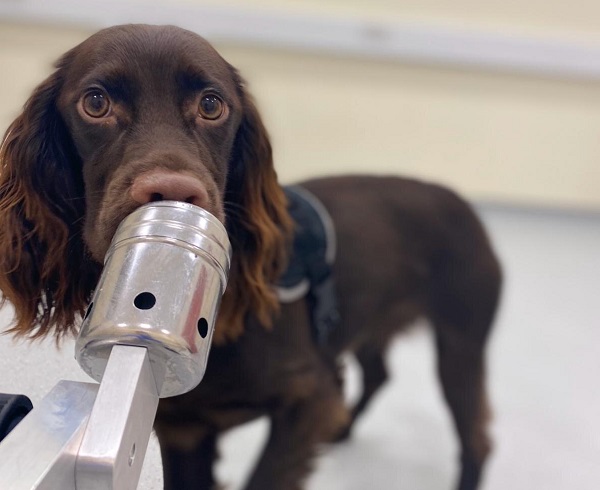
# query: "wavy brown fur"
[[44, 272], [259, 228]]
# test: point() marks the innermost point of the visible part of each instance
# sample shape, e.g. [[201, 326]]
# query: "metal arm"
[[144, 337]]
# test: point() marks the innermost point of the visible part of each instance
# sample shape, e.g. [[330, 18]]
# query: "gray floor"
[[544, 363]]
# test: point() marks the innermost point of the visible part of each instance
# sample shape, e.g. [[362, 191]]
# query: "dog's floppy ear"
[[43, 270], [258, 224]]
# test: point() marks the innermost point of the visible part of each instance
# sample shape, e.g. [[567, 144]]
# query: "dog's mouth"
[[99, 237]]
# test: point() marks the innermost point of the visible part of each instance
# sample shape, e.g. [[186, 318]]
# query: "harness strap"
[[309, 271]]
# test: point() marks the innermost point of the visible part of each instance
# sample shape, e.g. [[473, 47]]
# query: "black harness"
[[309, 271]]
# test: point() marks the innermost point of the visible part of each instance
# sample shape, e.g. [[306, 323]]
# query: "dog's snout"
[[163, 185]]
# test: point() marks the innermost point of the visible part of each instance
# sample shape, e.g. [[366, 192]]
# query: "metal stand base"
[[86, 436]]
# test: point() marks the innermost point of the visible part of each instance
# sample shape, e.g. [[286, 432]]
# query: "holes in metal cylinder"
[[203, 327], [89, 310], [144, 301]]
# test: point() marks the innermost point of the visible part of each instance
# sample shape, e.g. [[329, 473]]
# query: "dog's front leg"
[[296, 431], [188, 456]]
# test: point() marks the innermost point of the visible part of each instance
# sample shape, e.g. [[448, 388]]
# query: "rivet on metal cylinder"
[[164, 274]]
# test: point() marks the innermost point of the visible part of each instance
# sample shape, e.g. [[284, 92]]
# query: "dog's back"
[[403, 248]]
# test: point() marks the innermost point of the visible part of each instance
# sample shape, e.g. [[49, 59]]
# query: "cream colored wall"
[[491, 136], [577, 19], [508, 138]]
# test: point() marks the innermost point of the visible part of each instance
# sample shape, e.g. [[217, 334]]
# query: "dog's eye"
[[211, 106], [96, 104]]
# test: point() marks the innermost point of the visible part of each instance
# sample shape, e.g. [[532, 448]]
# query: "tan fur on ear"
[[259, 227], [43, 269]]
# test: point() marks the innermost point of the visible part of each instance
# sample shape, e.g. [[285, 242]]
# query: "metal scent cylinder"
[[164, 274]]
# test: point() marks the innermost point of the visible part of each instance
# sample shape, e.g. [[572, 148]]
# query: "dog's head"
[[134, 114]]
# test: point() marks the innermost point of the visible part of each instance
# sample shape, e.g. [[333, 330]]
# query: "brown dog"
[[142, 113]]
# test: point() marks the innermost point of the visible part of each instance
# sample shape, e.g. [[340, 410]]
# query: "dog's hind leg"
[[461, 373], [463, 307]]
